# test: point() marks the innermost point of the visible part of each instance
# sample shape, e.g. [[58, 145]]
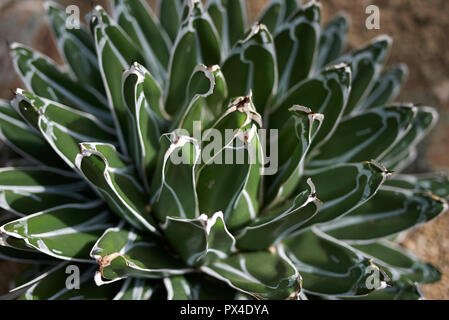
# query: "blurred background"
[[421, 40]]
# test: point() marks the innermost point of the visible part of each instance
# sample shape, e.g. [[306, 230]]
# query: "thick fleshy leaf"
[[67, 232], [366, 64], [122, 253], [142, 97], [77, 48], [229, 177], [276, 13], [170, 15], [17, 135], [352, 185], [332, 41], [116, 181], [273, 226], [206, 94], [366, 136], [174, 185], [398, 263], [390, 211], [200, 240], [296, 44], [435, 183], [325, 93], [63, 127], [386, 88], [26, 190], [140, 23], [50, 285], [423, 122], [251, 66], [295, 138], [115, 51], [329, 266], [230, 19], [263, 275], [197, 42], [197, 287], [44, 78], [141, 289]]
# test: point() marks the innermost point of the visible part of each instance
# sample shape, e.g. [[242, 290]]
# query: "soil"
[[421, 41]]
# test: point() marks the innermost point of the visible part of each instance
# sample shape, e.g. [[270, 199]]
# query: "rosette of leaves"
[[97, 189]]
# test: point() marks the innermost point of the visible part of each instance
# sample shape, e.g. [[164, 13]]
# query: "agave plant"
[[97, 190]]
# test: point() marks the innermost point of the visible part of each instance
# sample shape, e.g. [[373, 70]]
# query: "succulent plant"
[[97, 189]]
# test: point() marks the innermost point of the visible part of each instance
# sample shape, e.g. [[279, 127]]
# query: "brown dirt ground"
[[421, 41]]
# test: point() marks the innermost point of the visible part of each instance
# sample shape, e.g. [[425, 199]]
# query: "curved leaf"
[[296, 44], [170, 16], [201, 240], [44, 78], [332, 41], [67, 232], [197, 42], [386, 88], [367, 136], [251, 66], [329, 266], [122, 253], [263, 275], [276, 13], [77, 48], [116, 182], [436, 183], [271, 227], [140, 289], [390, 211], [352, 185]]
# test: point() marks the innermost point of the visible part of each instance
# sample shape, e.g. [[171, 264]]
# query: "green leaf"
[[325, 93], [386, 88], [366, 136], [197, 42], [435, 183], [329, 266], [115, 51], [332, 41], [352, 185], [276, 224], [423, 122], [200, 240], [398, 263], [206, 93], [142, 97], [140, 23], [276, 13], [48, 285], [390, 211], [366, 64], [251, 66], [263, 275], [17, 135], [197, 287], [170, 16], [121, 253], [44, 78], [63, 127], [230, 20], [295, 138], [116, 182], [174, 185], [66, 232], [140, 289], [76, 47], [395, 292], [26, 190], [296, 44], [229, 177]]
